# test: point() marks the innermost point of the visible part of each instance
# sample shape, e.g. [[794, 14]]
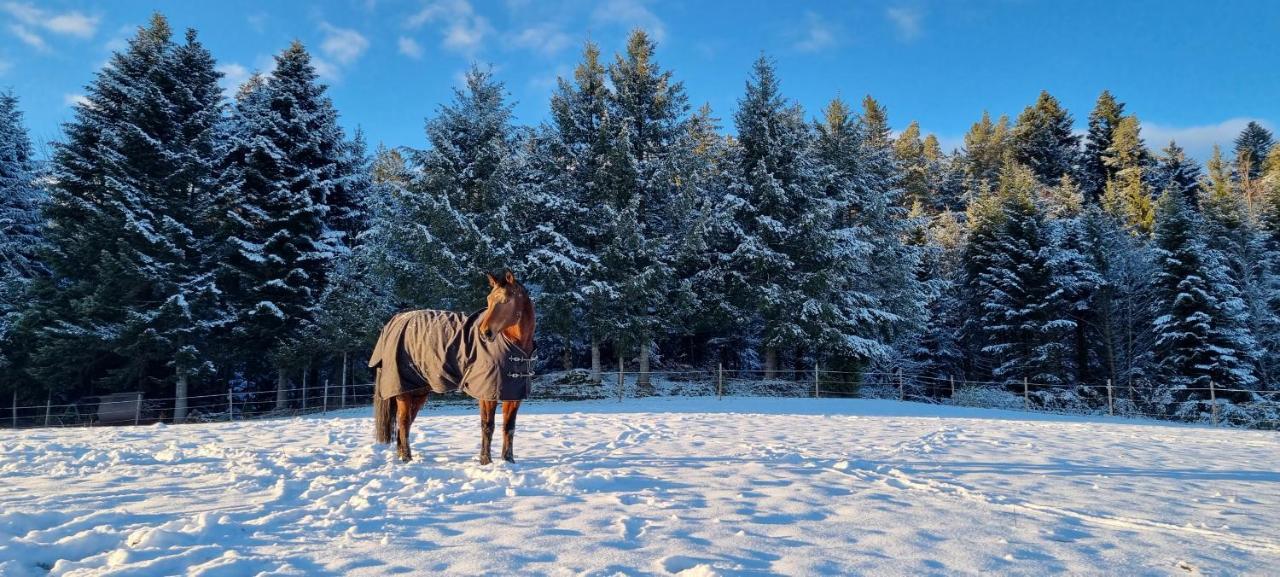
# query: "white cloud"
[[410, 47], [544, 38], [462, 30], [30, 20], [74, 99], [73, 24], [28, 37], [818, 35], [906, 20], [1197, 140], [631, 14], [343, 45], [326, 70], [233, 75]]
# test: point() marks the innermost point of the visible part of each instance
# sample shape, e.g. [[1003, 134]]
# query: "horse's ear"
[[493, 280], [511, 278]]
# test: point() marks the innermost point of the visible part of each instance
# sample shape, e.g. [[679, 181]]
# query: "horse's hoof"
[[509, 458], [485, 460]]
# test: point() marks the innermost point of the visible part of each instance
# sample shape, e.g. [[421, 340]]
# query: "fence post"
[[1213, 398], [343, 401], [720, 382], [621, 382], [305, 370], [817, 391], [48, 404], [324, 407], [1111, 405], [902, 388], [231, 406], [1026, 395], [137, 410], [952, 378]]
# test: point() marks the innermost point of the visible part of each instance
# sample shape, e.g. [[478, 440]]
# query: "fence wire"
[[1100, 400]]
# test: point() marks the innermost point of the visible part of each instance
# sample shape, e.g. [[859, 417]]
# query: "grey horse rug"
[[443, 351]]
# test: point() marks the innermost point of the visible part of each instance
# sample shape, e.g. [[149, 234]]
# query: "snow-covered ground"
[[649, 487]]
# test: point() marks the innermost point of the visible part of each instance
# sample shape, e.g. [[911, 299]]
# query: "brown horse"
[[424, 352]]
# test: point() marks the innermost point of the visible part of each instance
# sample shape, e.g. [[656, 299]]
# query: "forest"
[[179, 242]]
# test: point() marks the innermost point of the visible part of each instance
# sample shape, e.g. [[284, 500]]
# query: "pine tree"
[[1268, 323], [1075, 278], [1094, 171], [20, 235], [286, 160], [1126, 195], [869, 287], [774, 197], [1022, 317], [910, 153], [134, 296], [1198, 337], [1177, 172], [654, 110], [985, 147], [1043, 140], [1252, 147]]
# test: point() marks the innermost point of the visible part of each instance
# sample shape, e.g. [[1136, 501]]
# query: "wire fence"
[[1210, 405]]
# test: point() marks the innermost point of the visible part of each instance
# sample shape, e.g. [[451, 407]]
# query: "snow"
[[685, 486]]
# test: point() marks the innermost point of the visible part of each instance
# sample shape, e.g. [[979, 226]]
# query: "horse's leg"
[[405, 411], [509, 409], [487, 410]]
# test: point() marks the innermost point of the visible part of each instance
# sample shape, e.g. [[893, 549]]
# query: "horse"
[[422, 352]]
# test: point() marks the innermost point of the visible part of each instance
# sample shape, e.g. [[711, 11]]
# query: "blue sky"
[[1195, 71]]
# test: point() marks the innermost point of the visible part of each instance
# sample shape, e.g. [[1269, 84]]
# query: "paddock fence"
[[1259, 410]]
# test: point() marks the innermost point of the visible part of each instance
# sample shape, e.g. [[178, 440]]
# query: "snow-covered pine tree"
[[1121, 314], [1229, 231], [1198, 336], [872, 293], [1043, 140], [134, 299], [1075, 278], [945, 177], [20, 230], [1127, 194], [1026, 329], [775, 202], [1268, 223], [570, 217], [1251, 149], [1094, 171], [1174, 170], [285, 160], [654, 109]]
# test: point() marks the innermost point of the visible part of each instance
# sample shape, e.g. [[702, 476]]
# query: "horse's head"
[[509, 309]]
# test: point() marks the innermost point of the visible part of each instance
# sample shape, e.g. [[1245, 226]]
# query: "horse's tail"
[[384, 418]]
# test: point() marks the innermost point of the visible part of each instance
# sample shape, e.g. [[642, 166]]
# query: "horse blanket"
[[444, 351]]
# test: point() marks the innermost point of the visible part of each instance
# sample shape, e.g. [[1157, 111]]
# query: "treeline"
[[177, 243]]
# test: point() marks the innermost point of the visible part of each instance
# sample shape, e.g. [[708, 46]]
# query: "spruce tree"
[[286, 160], [910, 153], [1026, 329], [1043, 140], [134, 296], [985, 147], [1174, 170], [20, 232], [1198, 337], [1126, 195], [1252, 147], [1094, 171]]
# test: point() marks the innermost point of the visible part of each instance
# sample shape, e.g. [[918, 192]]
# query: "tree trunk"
[[567, 360], [180, 399], [343, 398], [770, 363], [595, 360], [282, 393], [642, 380]]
